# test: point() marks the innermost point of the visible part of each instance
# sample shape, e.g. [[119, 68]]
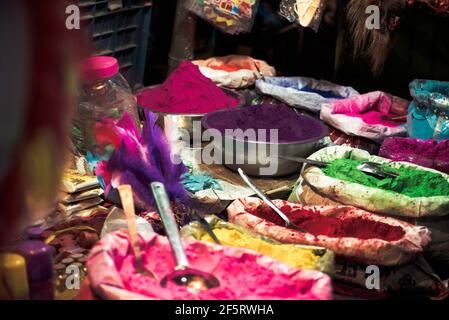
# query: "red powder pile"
[[316, 224], [186, 91]]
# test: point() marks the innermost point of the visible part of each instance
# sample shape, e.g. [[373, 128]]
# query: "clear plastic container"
[[104, 98]]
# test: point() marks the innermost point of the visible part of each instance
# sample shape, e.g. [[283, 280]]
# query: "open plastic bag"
[[371, 251], [428, 116], [230, 16], [302, 92], [234, 71], [110, 277], [362, 115], [368, 198]]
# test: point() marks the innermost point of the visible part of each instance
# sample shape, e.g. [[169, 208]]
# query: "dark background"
[[420, 50]]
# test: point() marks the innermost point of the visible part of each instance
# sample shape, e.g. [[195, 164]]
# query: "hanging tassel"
[[375, 43]]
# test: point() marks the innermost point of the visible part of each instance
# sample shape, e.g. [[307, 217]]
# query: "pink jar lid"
[[101, 67]]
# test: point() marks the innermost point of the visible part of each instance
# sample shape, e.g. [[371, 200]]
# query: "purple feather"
[[142, 159]]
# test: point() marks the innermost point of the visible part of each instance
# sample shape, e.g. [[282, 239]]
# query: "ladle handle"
[[170, 225], [304, 160], [263, 196]]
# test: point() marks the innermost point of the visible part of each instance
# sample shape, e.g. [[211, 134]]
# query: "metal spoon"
[[371, 168], [126, 196], [183, 275], [287, 221]]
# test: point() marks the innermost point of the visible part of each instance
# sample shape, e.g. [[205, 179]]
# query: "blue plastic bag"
[[428, 116]]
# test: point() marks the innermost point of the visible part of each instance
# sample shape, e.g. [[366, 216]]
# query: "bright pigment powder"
[[287, 253], [228, 68], [186, 91], [426, 153], [290, 126], [240, 276], [319, 225], [411, 182], [372, 108]]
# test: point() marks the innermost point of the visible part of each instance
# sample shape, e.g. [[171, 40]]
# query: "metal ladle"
[[287, 221], [371, 168], [183, 275]]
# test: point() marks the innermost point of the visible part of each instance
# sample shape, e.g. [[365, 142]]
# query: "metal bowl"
[[262, 159], [175, 125]]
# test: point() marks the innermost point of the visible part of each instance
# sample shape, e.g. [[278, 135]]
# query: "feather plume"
[[141, 159]]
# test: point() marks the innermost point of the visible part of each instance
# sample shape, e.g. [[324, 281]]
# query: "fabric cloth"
[[234, 71]]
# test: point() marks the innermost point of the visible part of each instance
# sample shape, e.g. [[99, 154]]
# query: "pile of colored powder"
[[410, 182], [379, 118], [372, 108], [324, 93], [290, 126], [317, 224], [287, 253], [228, 68], [186, 91], [241, 276], [426, 153]]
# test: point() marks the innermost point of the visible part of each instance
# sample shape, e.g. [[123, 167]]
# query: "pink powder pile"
[[241, 276], [370, 107], [186, 91]]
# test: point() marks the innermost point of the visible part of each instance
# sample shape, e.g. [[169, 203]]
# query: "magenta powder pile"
[[186, 91], [241, 275], [290, 126], [426, 153]]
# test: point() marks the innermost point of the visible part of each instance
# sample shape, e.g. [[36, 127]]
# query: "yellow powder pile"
[[286, 253]]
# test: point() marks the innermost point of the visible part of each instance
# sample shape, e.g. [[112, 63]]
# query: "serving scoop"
[[183, 275], [371, 168]]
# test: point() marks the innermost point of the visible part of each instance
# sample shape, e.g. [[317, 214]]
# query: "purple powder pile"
[[291, 126], [426, 153]]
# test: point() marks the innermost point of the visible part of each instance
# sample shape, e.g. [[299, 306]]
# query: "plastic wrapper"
[[107, 282], [428, 116], [427, 153], [368, 198], [304, 93], [417, 278], [334, 114], [230, 16], [324, 263], [116, 221], [234, 71], [304, 13], [371, 251]]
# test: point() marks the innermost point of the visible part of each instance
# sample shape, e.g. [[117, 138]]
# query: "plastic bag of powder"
[[230, 16], [372, 199]]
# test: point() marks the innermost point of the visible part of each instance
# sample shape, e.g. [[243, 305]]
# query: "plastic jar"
[[104, 98]]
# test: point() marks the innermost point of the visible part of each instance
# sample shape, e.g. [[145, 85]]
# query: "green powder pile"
[[411, 182]]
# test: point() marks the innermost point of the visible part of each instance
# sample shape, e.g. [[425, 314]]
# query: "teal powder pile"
[[411, 182]]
